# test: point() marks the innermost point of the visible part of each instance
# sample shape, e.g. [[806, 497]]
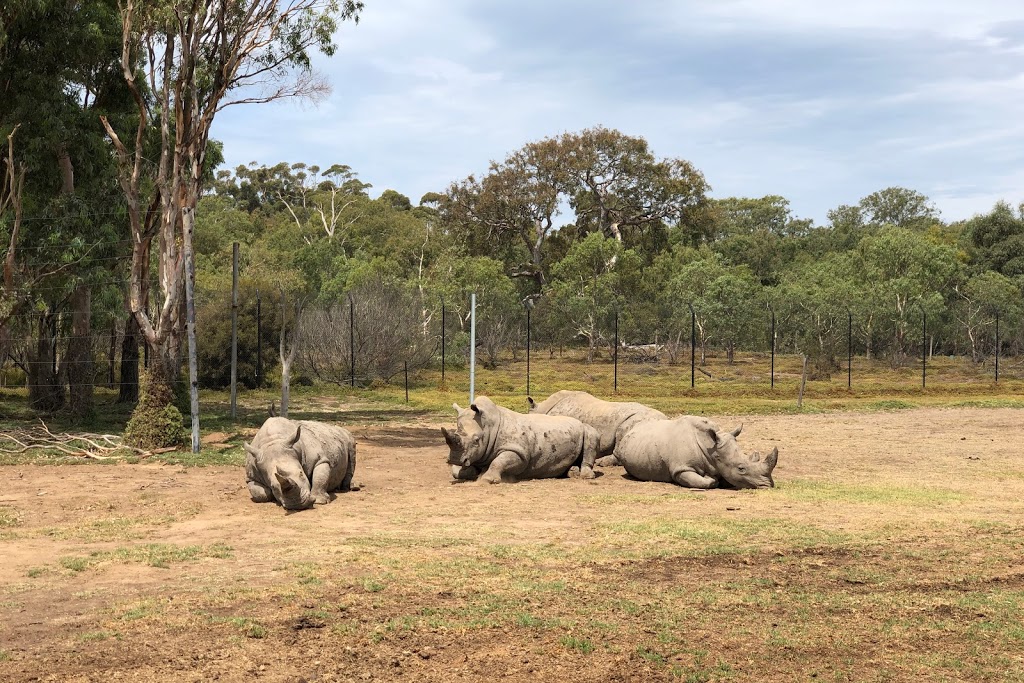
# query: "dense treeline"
[[583, 228], [586, 225]]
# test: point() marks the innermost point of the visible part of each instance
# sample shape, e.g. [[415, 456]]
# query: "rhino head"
[[467, 444], [736, 467], [281, 460]]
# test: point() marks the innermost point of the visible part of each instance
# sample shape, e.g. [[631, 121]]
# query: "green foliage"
[[156, 422]]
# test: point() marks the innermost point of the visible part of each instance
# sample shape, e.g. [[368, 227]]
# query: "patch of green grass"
[[650, 655], [5, 656], [372, 585], [890, 404], [142, 610], [579, 644], [9, 517], [160, 555], [250, 628], [36, 572], [95, 636], [205, 458], [805, 490]]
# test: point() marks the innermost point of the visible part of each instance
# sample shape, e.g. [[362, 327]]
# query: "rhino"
[[693, 452], [496, 444], [299, 463], [611, 419]]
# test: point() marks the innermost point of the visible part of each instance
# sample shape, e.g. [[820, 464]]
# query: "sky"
[[820, 102]]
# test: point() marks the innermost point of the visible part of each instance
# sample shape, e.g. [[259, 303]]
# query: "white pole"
[[472, 347]]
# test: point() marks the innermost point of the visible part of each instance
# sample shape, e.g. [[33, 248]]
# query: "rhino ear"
[[272, 410], [772, 459], [736, 432], [533, 404], [295, 439]]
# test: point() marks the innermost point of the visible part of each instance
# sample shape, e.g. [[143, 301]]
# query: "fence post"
[[997, 346], [472, 348], [773, 345], [259, 341], [616, 353], [529, 305], [924, 347], [234, 330], [849, 349], [352, 339], [693, 342], [406, 381], [188, 221], [442, 340]]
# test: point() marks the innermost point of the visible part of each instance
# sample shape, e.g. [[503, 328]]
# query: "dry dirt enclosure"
[[892, 550]]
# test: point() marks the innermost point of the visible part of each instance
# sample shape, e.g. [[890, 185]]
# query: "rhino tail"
[[346, 482]]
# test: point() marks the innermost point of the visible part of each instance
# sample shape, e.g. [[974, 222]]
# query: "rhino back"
[[549, 444], [327, 443], [611, 419], [655, 450]]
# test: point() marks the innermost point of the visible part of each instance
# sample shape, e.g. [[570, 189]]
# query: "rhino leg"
[[318, 484], [259, 492], [503, 468], [607, 461], [346, 482], [692, 480]]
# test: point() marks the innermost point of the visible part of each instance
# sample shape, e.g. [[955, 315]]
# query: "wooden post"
[[693, 343], [352, 339], [443, 321], [406, 381], [773, 346], [528, 348], [188, 220], [849, 350], [259, 342], [803, 384], [997, 346], [616, 353], [924, 347], [234, 330]]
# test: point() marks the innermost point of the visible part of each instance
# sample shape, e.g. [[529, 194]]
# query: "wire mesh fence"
[[385, 338]]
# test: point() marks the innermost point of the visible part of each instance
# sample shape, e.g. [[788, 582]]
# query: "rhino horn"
[[250, 450], [772, 459], [295, 439], [457, 408], [736, 432], [286, 483], [452, 439]]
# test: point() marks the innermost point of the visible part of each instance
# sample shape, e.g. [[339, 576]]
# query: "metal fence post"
[[442, 340], [406, 381], [259, 342], [352, 339], [997, 346], [924, 347], [616, 352], [693, 342], [472, 348], [849, 350], [529, 305]]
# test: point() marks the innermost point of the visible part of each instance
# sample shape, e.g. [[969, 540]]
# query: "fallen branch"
[[83, 444]]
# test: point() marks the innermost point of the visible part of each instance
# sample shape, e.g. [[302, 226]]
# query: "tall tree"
[[184, 61]]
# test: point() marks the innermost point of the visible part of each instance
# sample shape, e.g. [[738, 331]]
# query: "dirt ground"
[[891, 550]]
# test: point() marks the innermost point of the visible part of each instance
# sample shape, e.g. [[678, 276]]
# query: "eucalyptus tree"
[[183, 61], [617, 186], [57, 74]]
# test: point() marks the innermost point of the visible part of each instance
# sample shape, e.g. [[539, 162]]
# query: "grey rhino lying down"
[[499, 445], [693, 452], [611, 419], [298, 463]]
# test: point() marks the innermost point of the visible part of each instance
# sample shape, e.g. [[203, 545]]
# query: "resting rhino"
[[497, 444], [611, 419], [287, 455], [693, 452]]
